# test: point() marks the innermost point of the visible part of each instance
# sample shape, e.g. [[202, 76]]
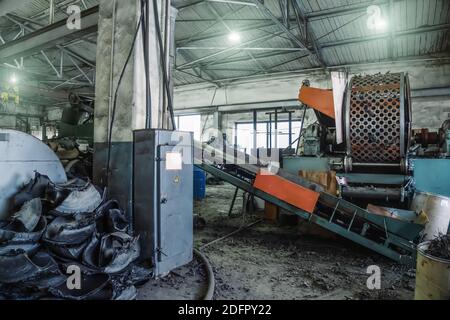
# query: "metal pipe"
[[270, 131], [301, 127], [290, 128], [111, 66], [374, 164], [255, 128], [372, 193], [276, 128], [166, 15]]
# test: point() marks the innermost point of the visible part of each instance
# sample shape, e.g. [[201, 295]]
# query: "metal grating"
[[375, 118]]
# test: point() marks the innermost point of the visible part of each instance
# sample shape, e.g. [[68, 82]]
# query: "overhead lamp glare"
[[13, 79], [380, 24], [375, 20], [234, 37]]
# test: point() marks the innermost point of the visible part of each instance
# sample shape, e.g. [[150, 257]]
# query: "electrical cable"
[[163, 64], [113, 112], [209, 274], [148, 97], [232, 233]]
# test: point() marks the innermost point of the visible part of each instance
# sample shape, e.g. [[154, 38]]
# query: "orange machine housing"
[[285, 190], [318, 99]]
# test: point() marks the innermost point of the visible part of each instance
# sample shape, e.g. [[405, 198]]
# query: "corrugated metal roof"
[[417, 28]]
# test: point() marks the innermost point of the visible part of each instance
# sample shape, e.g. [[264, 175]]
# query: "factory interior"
[[225, 150]]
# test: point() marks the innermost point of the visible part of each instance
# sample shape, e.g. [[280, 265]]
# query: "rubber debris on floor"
[[53, 229]]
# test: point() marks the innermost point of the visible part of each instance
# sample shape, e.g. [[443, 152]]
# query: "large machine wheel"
[[377, 120]]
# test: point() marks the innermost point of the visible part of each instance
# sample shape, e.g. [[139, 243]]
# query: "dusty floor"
[[271, 261]]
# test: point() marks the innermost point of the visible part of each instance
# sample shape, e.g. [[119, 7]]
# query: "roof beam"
[[280, 25], [258, 57], [25, 19], [49, 36], [210, 74], [7, 6], [268, 21], [309, 33], [219, 18], [404, 60], [195, 3], [439, 27], [215, 35], [196, 61], [277, 22], [197, 36], [343, 10], [243, 49]]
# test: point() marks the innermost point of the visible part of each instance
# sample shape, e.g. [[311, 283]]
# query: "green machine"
[[77, 121]]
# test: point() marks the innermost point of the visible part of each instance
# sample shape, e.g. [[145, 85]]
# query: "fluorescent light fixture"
[[234, 37]]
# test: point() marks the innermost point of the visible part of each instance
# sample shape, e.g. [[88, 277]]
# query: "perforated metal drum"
[[377, 118]]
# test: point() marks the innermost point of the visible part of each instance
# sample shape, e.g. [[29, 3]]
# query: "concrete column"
[[118, 21]]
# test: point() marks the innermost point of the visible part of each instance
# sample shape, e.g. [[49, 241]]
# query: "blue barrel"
[[199, 184]]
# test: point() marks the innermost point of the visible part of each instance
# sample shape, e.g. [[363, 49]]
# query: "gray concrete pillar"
[[118, 21]]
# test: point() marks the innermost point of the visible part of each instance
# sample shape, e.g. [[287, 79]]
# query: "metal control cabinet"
[[163, 204]]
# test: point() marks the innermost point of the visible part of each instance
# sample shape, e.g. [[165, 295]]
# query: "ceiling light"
[[13, 79], [375, 20], [234, 37], [380, 24]]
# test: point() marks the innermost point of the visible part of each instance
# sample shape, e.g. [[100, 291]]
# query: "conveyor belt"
[[390, 237]]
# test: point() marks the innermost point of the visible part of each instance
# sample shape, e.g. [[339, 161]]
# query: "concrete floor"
[[271, 261]]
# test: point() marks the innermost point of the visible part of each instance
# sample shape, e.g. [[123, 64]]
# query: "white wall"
[[427, 111]]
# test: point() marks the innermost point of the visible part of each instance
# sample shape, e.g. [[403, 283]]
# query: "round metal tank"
[[437, 209], [432, 276], [377, 118], [21, 155]]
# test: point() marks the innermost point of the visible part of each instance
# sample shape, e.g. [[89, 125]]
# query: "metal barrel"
[[437, 209], [199, 184], [432, 276]]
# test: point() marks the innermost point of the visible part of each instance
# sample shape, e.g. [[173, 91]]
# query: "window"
[[283, 133], [244, 134], [191, 124], [37, 133]]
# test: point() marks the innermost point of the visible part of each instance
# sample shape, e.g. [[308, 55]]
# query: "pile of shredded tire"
[[439, 247], [55, 231]]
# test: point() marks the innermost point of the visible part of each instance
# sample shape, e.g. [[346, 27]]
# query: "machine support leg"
[[232, 202]]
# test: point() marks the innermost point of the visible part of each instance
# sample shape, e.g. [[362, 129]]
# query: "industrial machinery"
[[163, 203], [387, 235], [366, 139], [21, 155], [367, 142], [77, 121]]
